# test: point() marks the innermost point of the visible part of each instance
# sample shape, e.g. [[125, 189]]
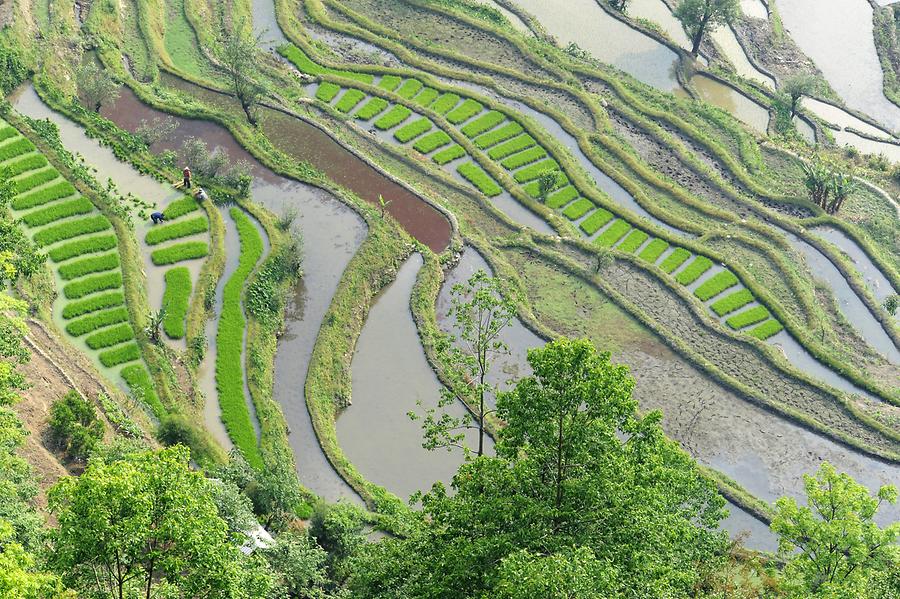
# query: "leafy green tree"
[[95, 86], [891, 304], [797, 86], [567, 575], [299, 566], [619, 5], [828, 187], [19, 577], [74, 425], [337, 528], [237, 51], [832, 546], [18, 255], [699, 16], [546, 183]]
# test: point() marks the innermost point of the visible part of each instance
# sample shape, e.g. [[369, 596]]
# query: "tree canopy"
[[699, 16]]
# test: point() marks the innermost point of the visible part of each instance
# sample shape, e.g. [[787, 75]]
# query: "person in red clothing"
[[187, 176]]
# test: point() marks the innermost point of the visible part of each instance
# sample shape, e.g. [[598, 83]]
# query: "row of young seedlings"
[[83, 252], [505, 142]]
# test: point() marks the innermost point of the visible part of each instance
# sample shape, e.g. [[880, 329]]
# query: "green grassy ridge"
[[15, 148], [185, 228], [412, 130], [45, 195], [57, 211], [33, 180], [300, 60], [694, 270], [80, 247], [88, 285], [596, 221], [176, 299], [475, 175], [180, 207], [97, 320], [86, 266], [141, 386], [230, 342], [371, 109], [109, 337], [24, 164], [120, 355], [449, 154], [349, 101], [393, 117], [748, 317], [482, 124], [71, 229], [188, 250], [94, 303], [498, 135], [432, 141], [715, 285]]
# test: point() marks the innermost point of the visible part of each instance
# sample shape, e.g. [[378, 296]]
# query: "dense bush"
[[674, 260], [766, 329], [74, 426], [508, 148], [561, 197], [371, 109], [181, 207], [747, 317], [716, 284], [85, 266], [500, 134], [449, 154], [327, 91], [445, 103], [390, 82], [393, 117], [15, 148], [13, 69], [92, 322], [409, 88], [596, 221], [120, 355], [534, 188], [732, 302], [138, 380], [71, 229], [485, 122], [161, 233], [576, 210], [634, 240], [175, 301], [88, 285], [530, 173], [412, 130], [79, 247], [654, 250], [34, 180], [694, 270], [426, 96], [349, 101], [114, 335], [480, 179], [523, 158], [93, 304], [38, 197], [189, 250], [57, 211], [25, 164], [613, 234], [466, 110], [432, 141]]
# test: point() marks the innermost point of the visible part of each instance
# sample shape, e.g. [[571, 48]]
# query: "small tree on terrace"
[[796, 87], [699, 16], [95, 86], [828, 188], [546, 183], [237, 52]]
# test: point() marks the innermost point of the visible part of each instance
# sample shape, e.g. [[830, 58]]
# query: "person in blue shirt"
[[157, 217]]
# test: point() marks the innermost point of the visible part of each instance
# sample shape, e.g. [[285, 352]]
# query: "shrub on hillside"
[[74, 426]]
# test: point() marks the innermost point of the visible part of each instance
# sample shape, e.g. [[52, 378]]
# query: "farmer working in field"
[[200, 195], [157, 217], [186, 173]]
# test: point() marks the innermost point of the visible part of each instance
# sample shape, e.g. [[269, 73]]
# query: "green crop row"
[[480, 179], [694, 270], [58, 211], [492, 138], [523, 158], [409, 89], [516, 144], [80, 247], [90, 265], [426, 96], [748, 317], [432, 141], [34, 180], [25, 164], [596, 221], [634, 240], [138, 380], [412, 130], [175, 300], [119, 355], [305, 65], [15, 148], [466, 110], [189, 250], [89, 285], [484, 123], [178, 230], [230, 340], [39, 197], [674, 260], [577, 209], [92, 322], [371, 109], [562, 197], [327, 91], [732, 302], [93, 304], [115, 335], [613, 234], [715, 285], [7, 132], [445, 103], [393, 117], [530, 173], [449, 154], [390, 82], [766, 329], [349, 101], [179, 208], [654, 250], [534, 188], [71, 229]]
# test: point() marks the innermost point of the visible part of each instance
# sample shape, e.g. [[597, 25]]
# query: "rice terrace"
[[449, 299]]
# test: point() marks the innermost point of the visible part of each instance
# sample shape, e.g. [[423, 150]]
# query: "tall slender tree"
[[700, 16], [237, 51]]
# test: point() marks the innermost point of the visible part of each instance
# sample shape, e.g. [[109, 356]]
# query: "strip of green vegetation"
[[89, 265], [34, 180], [305, 65], [562, 197], [445, 103], [613, 234], [371, 109], [412, 130], [576, 210], [181, 207], [230, 342], [426, 96], [15, 148], [530, 173], [162, 233], [24, 163], [654, 250], [327, 91], [7, 132], [449, 154], [516, 144], [141, 385], [350, 100], [120, 355], [88, 285], [474, 174], [189, 250], [92, 322], [484, 123], [93, 304], [715, 285], [409, 89], [432, 141], [39, 197], [464, 111], [766, 329], [694, 270], [393, 117], [71, 229], [524, 158], [80, 247], [534, 188], [634, 240], [57, 211], [732, 302], [747, 317], [674, 260], [114, 335], [175, 301], [596, 221], [500, 134], [390, 82]]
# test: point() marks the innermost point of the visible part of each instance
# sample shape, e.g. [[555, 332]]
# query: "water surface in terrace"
[[732, 101]]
